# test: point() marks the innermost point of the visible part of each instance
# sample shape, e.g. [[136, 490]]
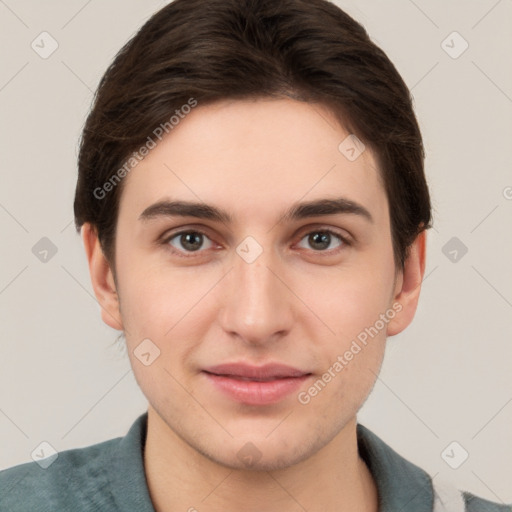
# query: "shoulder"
[[447, 498], [475, 504], [106, 476], [404, 486], [76, 479]]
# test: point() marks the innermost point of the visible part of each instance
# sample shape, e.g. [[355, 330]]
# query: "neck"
[[335, 478]]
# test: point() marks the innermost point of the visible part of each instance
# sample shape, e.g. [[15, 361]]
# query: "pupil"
[[321, 238], [188, 240]]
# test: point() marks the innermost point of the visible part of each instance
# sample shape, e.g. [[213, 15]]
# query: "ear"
[[102, 278], [408, 286]]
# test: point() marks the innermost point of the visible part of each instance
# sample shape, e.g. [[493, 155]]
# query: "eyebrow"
[[297, 211]]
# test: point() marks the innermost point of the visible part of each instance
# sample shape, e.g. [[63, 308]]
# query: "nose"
[[258, 304]]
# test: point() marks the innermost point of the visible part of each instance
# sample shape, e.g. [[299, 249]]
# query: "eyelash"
[[344, 240]]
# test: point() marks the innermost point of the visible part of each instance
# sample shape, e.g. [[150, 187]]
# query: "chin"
[[260, 453]]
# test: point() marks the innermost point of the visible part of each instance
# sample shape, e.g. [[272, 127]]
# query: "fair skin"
[[296, 304]]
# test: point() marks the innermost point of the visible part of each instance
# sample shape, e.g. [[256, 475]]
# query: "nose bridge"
[[256, 307]]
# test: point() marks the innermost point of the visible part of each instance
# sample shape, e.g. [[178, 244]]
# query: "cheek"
[[355, 304], [151, 298], [171, 306], [353, 300], [350, 361]]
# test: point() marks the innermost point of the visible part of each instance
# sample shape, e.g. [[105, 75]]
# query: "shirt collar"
[[400, 484], [129, 485]]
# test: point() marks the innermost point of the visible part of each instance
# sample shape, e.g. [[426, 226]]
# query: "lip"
[[256, 385], [266, 371]]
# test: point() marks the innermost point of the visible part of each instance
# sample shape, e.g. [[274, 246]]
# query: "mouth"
[[269, 371], [256, 385], [251, 379]]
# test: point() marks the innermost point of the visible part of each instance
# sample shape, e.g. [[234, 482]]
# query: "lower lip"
[[254, 392]]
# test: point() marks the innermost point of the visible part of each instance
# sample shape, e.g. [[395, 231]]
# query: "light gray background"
[[446, 378]]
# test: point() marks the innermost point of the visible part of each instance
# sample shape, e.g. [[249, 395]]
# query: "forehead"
[[255, 157]]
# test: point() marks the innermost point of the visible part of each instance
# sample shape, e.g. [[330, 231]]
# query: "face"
[[291, 263]]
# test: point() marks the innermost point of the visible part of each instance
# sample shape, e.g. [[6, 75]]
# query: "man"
[[253, 206]]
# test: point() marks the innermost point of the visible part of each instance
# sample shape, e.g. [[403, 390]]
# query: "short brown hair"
[[212, 50]]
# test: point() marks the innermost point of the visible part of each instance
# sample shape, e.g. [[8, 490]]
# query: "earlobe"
[[408, 288], [102, 278]]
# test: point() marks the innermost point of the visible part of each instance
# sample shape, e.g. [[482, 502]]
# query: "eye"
[[185, 243], [188, 241], [321, 240]]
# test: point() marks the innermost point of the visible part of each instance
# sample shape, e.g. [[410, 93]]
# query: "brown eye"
[[188, 241], [322, 240]]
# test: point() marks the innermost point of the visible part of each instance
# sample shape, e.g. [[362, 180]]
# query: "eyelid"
[[344, 235]]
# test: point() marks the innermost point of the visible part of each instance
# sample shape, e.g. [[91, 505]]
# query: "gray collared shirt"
[[109, 476]]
